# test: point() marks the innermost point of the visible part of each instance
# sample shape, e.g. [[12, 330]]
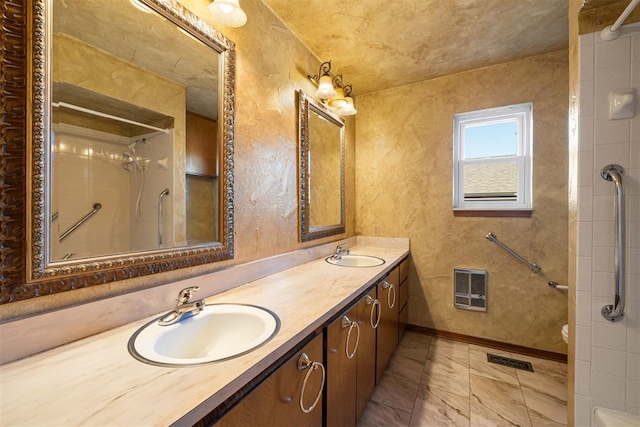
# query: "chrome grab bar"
[[96, 208], [615, 311], [164, 192], [532, 266]]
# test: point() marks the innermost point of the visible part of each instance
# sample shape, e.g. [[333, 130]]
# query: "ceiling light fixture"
[[332, 91], [227, 13]]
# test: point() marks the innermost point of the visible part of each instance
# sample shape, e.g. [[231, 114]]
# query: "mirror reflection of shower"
[[136, 165]]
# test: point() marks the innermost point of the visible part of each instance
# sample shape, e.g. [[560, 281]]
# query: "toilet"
[[565, 333]]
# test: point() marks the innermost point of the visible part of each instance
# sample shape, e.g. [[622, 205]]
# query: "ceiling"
[[377, 44], [146, 40]]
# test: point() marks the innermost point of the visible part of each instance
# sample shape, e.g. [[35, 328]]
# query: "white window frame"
[[522, 114]]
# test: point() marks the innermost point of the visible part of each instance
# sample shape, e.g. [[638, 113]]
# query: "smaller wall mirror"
[[321, 151]]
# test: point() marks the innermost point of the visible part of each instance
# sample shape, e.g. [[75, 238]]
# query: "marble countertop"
[[95, 381]]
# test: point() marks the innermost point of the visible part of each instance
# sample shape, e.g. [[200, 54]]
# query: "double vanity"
[[97, 380]]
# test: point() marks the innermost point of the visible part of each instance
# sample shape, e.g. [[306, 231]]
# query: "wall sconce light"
[[348, 109], [324, 82], [332, 92], [227, 13]]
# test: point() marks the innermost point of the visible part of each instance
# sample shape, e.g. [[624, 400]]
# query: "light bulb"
[[338, 101], [227, 13], [325, 88], [348, 109], [226, 8]]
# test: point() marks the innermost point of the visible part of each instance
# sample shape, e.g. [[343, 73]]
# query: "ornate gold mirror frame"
[[23, 190]]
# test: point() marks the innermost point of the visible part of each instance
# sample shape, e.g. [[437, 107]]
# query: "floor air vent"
[[507, 361], [470, 287]]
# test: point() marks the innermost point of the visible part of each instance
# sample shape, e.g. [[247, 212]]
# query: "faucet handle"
[[184, 296]]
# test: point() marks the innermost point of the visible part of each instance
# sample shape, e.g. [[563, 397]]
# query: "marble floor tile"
[[397, 391], [496, 403], [446, 376], [544, 405], [436, 382], [437, 407], [479, 365], [407, 367], [545, 390], [548, 367], [377, 414], [414, 346], [446, 351], [539, 422]]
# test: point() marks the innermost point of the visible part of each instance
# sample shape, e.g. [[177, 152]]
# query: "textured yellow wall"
[[272, 64], [404, 185]]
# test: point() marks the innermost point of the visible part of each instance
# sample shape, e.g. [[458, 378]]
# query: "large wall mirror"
[[130, 144], [321, 152]]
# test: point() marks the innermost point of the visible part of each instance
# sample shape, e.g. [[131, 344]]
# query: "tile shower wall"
[[607, 365], [87, 170]]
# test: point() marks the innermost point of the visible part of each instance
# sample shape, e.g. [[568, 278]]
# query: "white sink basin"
[[353, 260], [218, 332]]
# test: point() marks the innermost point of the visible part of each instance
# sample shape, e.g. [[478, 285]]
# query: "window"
[[492, 165]]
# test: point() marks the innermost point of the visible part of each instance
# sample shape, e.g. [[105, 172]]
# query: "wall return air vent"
[[470, 289]]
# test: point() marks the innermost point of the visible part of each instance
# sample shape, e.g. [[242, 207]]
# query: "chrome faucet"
[[340, 250], [183, 307]]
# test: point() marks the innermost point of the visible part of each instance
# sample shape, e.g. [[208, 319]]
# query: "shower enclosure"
[[124, 175]]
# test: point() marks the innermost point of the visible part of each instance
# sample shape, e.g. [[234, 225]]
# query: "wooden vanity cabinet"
[[352, 370], [403, 298], [276, 401], [368, 319], [342, 346], [388, 327]]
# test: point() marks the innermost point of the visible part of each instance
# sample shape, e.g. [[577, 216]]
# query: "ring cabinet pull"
[[346, 322], [375, 308], [305, 363], [390, 286]]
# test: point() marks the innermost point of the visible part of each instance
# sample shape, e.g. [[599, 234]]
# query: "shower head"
[[164, 192], [132, 146]]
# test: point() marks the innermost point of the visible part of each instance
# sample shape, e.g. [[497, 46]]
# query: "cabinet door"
[[403, 319], [388, 328], [278, 400], [201, 148], [342, 346], [403, 294], [368, 319]]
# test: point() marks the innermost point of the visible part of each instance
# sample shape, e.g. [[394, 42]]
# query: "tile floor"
[[436, 382]]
